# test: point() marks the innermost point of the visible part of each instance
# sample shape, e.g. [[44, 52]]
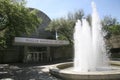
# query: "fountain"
[[89, 45], [90, 60]]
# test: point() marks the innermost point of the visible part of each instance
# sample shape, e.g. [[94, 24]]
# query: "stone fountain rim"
[[112, 74], [117, 71]]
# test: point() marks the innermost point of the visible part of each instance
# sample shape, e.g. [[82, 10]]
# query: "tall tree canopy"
[[16, 20], [65, 26], [111, 26]]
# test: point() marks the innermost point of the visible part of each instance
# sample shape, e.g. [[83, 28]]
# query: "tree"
[[89, 19], [16, 20], [76, 15], [65, 26], [114, 29], [111, 26], [108, 21]]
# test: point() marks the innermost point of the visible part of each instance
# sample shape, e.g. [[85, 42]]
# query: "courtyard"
[[21, 71], [35, 46]]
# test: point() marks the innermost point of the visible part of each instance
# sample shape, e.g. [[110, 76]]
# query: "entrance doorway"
[[36, 54]]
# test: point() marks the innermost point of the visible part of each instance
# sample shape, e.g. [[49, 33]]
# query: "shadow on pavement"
[[24, 72]]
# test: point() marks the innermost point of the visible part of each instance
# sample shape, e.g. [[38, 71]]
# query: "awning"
[[38, 42]]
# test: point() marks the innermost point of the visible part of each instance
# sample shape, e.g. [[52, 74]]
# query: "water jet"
[[91, 61]]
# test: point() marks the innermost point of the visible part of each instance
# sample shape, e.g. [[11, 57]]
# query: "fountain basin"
[[62, 71]]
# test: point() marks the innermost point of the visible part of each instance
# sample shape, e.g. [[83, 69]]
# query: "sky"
[[60, 8]]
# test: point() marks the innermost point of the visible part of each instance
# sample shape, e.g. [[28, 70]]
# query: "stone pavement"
[[25, 72]]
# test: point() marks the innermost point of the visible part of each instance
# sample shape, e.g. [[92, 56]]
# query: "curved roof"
[[41, 32]]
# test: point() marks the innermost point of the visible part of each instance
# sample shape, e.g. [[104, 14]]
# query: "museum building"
[[40, 46]]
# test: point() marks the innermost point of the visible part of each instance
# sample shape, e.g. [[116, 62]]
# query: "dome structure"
[[40, 31]]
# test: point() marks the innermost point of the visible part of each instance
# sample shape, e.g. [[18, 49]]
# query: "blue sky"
[[60, 8]]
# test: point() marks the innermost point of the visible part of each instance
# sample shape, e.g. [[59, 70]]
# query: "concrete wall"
[[114, 41], [11, 55], [114, 44], [62, 53]]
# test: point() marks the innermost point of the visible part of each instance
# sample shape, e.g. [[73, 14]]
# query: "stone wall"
[[62, 53], [114, 41], [114, 44], [11, 55]]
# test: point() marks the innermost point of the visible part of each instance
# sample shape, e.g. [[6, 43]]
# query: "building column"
[[37, 56], [48, 54], [34, 57], [25, 54]]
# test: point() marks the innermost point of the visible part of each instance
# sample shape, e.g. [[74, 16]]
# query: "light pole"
[[56, 34]]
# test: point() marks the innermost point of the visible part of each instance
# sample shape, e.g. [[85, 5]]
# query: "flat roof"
[[38, 42]]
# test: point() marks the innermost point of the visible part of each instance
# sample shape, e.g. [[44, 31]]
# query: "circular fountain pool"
[[65, 72]]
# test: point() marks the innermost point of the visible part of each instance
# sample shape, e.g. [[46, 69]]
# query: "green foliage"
[[65, 26], [16, 20], [108, 21], [89, 19], [111, 26], [2, 43], [114, 30], [76, 15]]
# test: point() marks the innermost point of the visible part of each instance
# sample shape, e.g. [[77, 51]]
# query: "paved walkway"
[[25, 72]]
